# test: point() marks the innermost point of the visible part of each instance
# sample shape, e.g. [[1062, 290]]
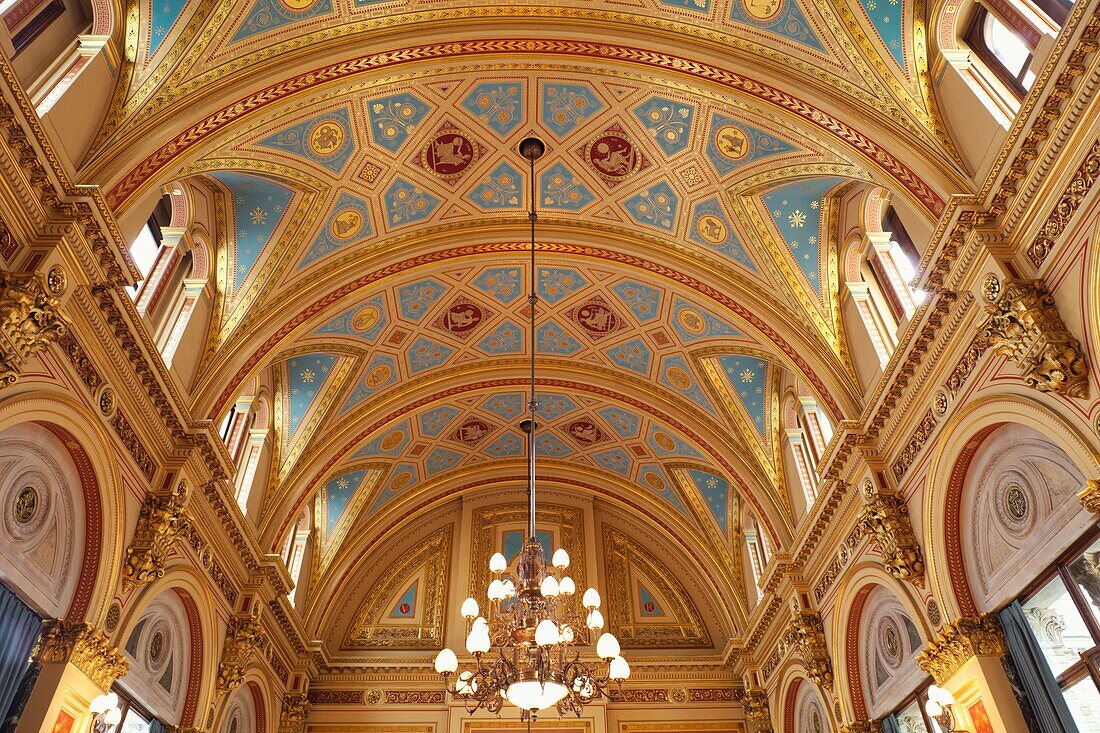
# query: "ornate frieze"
[[415, 697], [1074, 193], [336, 697], [1024, 325], [83, 646], [243, 639], [808, 636], [160, 524], [757, 712], [30, 320], [295, 710], [1090, 495], [885, 520], [959, 641], [647, 695], [915, 445]]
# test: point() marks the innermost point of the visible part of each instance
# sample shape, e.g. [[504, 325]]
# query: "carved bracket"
[[960, 641], [243, 639], [1024, 325], [160, 524], [83, 646], [885, 520], [862, 726], [295, 710], [808, 637], [757, 712], [30, 320]]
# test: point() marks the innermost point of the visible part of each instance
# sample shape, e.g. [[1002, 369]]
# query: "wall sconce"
[[939, 708], [106, 714]]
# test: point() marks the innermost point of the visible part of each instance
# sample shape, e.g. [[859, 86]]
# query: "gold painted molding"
[[757, 711], [243, 639], [1090, 495], [959, 641], [85, 647], [160, 524], [885, 520]]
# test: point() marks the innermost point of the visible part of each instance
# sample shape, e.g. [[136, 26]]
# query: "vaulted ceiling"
[[371, 227]]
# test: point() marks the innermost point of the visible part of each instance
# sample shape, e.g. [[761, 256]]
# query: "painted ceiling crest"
[[356, 161]]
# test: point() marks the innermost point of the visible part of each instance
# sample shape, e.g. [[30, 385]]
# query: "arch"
[[245, 710], [183, 587], [68, 422], [854, 590], [950, 461]]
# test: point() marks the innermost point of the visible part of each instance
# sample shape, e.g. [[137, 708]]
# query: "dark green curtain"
[[1036, 678], [19, 627], [889, 724]]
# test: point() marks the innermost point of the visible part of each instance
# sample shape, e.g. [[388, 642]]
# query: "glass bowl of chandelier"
[[525, 646]]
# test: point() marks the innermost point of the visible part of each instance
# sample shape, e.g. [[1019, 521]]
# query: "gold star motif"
[[258, 216], [797, 219], [748, 375], [308, 375]]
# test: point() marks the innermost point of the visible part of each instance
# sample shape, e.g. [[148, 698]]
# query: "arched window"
[[295, 551], [147, 247], [1005, 42]]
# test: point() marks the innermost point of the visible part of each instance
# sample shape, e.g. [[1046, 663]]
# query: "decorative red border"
[[372, 278], [258, 703], [194, 677], [789, 705], [952, 517], [93, 522], [275, 93], [851, 653]]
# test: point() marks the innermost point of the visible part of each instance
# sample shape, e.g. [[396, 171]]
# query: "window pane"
[[910, 719], [1006, 45], [1086, 573], [1058, 626], [134, 723], [144, 251], [1084, 704]]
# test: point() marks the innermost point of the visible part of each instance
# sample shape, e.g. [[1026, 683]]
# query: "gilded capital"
[[808, 634], [243, 639], [885, 520], [85, 647], [160, 523], [30, 320], [759, 716], [1023, 324], [1090, 495], [960, 641], [292, 716]]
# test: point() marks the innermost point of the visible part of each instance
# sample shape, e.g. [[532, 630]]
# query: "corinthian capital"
[[83, 646], [808, 633], [159, 525], [30, 320], [885, 520], [292, 717], [1023, 324], [960, 641], [243, 639], [759, 716]]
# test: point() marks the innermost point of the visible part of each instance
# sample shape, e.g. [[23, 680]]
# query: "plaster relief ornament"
[[757, 712], [885, 520], [1024, 325], [85, 647], [960, 641], [243, 639], [30, 320], [809, 643], [160, 523]]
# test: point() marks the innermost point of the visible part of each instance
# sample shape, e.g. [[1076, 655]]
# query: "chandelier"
[[525, 646]]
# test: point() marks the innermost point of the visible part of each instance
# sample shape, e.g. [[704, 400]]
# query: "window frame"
[[920, 697], [975, 37], [1057, 10], [1089, 663]]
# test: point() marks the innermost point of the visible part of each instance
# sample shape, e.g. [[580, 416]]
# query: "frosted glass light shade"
[[567, 634], [469, 608], [567, 587], [497, 563], [113, 717], [933, 708], [941, 696], [549, 587], [620, 670], [509, 588], [546, 633], [496, 590], [591, 598], [595, 619], [103, 703], [478, 640], [446, 662], [607, 647], [561, 558], [535, 695]]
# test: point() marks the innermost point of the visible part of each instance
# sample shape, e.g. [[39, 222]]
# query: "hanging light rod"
[[533, 621]]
